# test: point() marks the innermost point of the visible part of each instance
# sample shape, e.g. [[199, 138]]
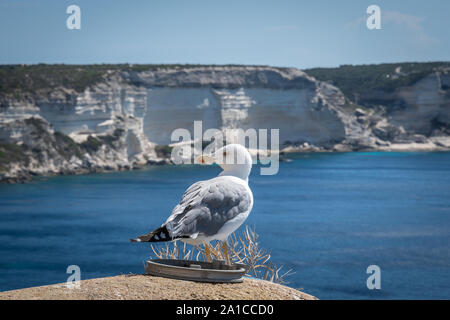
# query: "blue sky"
[[297, 33]]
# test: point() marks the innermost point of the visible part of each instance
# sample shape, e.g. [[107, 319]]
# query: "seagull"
[[211, 209]]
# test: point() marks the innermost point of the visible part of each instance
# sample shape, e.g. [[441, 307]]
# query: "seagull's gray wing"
[[206, 206]]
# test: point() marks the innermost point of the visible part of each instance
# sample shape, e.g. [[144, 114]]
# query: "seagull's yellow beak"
[[203, 159]]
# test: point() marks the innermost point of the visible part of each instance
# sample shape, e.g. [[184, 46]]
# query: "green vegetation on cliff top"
[[21, 81], [10, 153], [361, 80]]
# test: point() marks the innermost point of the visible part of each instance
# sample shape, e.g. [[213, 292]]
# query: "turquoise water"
[[327, 216]]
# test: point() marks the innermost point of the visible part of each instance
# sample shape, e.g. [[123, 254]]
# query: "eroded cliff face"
[[407, 105], [32, 147], [239, 97], [299, 114], [425, 105], [116, 122]]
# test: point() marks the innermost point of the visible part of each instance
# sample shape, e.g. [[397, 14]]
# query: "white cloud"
[[413, 24]]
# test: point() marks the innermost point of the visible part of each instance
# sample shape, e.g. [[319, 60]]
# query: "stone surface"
[[139, 287]]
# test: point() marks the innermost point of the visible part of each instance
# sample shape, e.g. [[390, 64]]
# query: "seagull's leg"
[[207, 252], [225, 252]]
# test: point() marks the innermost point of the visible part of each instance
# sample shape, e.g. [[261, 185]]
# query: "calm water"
[[327, 216]]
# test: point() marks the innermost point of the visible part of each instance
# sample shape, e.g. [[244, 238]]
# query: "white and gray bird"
[[211, 209]]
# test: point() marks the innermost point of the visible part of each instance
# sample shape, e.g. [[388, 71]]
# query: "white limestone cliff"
[[129, 112]]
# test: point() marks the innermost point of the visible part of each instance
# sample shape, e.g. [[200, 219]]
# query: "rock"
[[360, 113], [144, 287], [34, 148], [425, 101]]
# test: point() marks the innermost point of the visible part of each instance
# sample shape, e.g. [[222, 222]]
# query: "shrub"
[[163, 151], [10, 152], [66, 147], [91, 145], [243, 248]]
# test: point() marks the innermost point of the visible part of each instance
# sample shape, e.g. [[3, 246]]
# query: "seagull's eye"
[[224, 153]]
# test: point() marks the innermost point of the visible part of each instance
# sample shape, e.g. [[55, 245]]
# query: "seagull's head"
[[234, 159]]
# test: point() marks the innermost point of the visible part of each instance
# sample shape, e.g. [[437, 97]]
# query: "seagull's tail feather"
[[159, 235]]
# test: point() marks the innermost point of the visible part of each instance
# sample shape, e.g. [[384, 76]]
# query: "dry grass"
[[243, 248]]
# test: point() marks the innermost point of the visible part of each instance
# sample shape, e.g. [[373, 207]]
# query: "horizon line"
[[213, 65]]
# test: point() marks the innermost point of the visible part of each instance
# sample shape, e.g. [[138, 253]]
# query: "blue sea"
[[326, 216]]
